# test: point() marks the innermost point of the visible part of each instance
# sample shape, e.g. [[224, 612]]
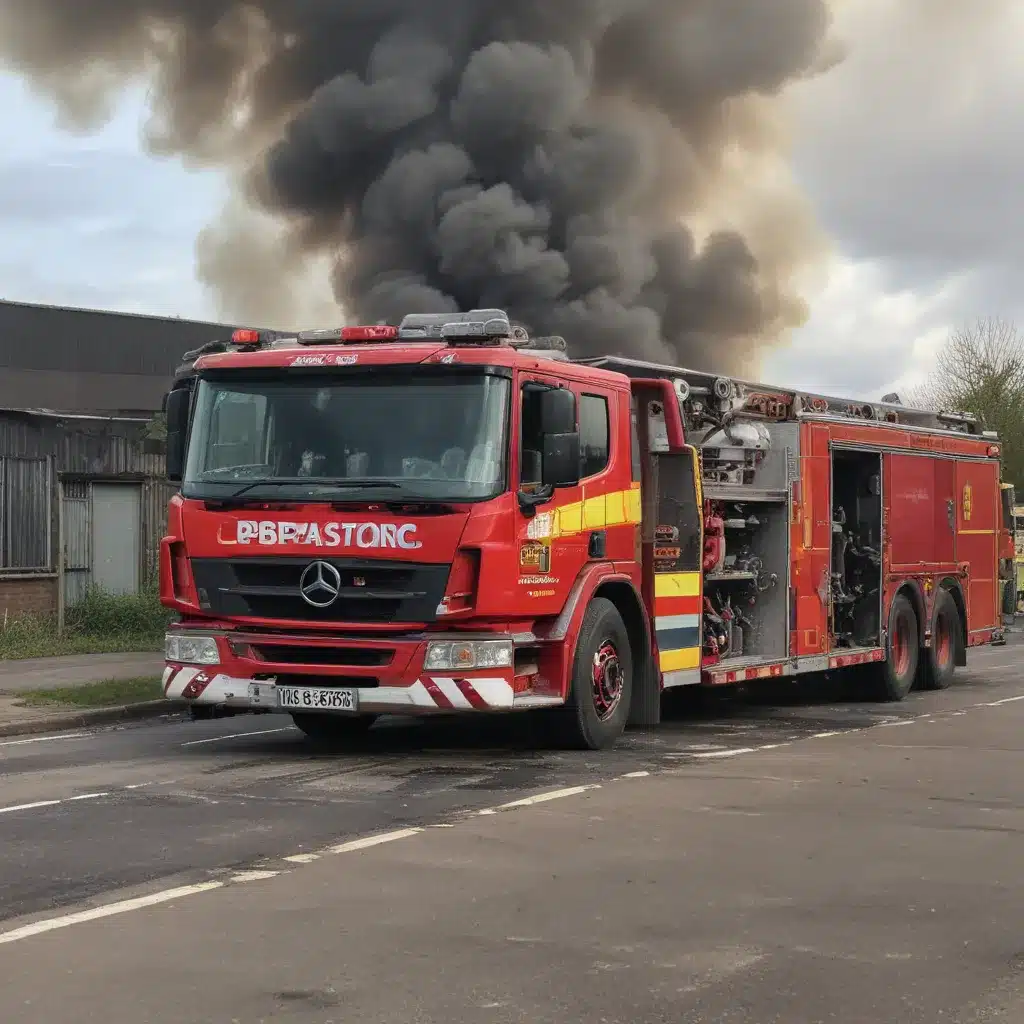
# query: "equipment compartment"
[[745, 590]]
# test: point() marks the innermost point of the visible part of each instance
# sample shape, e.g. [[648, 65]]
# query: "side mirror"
[[177, 408], [560, 466], [557, 411]]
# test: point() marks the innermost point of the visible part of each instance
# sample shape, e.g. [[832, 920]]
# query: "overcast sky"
[[909, 151]]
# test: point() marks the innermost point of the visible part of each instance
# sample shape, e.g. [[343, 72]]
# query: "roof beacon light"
[[380, 332], [348, 335], [245, 337]]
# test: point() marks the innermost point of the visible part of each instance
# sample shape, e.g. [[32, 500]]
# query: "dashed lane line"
[[361, 843]]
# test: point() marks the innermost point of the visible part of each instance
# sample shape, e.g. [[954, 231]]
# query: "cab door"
[[550, 548]]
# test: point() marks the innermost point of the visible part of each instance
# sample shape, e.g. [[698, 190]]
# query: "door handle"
[[596, 544]]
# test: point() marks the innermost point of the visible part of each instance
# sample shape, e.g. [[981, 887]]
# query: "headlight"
[[191, 650], [461, 656]]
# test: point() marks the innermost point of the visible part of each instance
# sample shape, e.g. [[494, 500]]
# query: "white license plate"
[[317, 698]]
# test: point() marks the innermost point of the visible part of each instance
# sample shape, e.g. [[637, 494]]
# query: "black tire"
[[332, 729], [938, 662], [601, 689], [895, 676]]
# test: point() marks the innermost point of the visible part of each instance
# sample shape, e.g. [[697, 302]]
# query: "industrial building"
[[82, 495]]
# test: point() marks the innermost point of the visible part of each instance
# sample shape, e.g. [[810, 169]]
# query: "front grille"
[[356, 657], [371, 591]]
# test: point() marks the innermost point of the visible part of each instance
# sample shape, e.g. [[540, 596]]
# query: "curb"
[[62, 722]]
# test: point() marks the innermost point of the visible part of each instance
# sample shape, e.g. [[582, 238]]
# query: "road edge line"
[[70, 720]]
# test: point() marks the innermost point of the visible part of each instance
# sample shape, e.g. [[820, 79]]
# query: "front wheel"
[[332, 729], [601, 688]]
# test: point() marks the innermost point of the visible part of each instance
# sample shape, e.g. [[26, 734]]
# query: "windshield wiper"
[[313, 483]]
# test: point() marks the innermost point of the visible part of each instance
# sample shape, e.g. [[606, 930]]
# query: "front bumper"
[[385, 673], [426, 694]]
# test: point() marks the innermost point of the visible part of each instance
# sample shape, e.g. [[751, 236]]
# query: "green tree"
[[980, 370]]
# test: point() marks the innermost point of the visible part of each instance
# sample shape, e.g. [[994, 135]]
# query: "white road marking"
[[29, 807], [238, 736], [253, 876], [709, 755], [109, 910], [51, 803], [1000, 703], [367, 842], [540, 798], [47, 739]]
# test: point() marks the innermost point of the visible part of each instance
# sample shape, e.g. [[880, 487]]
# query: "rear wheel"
[[597, 710], [332, 729], [938, 662], [897, 673]]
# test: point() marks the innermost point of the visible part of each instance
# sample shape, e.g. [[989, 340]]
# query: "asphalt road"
[[848, 873]]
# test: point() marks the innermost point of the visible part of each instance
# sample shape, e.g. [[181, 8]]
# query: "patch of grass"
[[105, 694], [101, 623]]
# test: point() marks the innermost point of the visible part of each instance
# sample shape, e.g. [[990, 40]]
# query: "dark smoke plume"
[[538, 155]]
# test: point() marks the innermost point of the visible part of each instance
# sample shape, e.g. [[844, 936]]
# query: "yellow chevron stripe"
[[619, 508], [676, 584], [674, 661]]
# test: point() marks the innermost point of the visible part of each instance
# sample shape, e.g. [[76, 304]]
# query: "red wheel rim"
[[901, 646], [943, 642], [607, 680]]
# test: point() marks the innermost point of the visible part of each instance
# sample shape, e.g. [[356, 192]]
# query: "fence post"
[[60, 555]]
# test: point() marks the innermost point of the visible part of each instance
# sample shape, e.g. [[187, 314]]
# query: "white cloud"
[[93, 221], [865, 338]]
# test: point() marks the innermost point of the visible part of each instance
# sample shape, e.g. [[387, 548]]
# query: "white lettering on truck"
[[269, 533]]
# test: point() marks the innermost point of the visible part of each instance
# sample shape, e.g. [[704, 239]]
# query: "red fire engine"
[[448, 516]]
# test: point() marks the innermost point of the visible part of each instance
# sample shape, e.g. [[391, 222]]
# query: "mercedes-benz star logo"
[[320, 584]]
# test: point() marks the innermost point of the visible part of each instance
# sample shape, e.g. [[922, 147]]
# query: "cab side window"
[[594, 435]]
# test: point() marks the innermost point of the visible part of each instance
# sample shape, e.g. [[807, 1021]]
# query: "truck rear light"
[[466, 655]]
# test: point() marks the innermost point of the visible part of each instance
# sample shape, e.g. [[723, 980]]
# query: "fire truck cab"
[[449, 517]]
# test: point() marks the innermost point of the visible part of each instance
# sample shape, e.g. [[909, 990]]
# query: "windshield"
[[434, 437]]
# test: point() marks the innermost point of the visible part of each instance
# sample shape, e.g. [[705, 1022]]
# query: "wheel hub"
[[607, 679]]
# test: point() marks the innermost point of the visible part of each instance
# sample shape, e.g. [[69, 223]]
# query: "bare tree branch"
[[980, 370]]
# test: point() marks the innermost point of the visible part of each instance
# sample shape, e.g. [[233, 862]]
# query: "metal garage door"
[[116, 519]]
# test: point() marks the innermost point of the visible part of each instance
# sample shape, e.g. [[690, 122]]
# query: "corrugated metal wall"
[[77, 540], [37, 450], [80, 447], [156, 493], [27, 496]]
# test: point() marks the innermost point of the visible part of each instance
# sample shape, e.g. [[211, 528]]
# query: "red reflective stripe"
[[677, 605], [474, 698], [437, 693], [170, 679]]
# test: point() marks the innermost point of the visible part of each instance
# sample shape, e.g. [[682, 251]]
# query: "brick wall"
[[28, 596]]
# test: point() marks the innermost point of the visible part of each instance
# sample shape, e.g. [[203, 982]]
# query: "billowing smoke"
[[538, 155]]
